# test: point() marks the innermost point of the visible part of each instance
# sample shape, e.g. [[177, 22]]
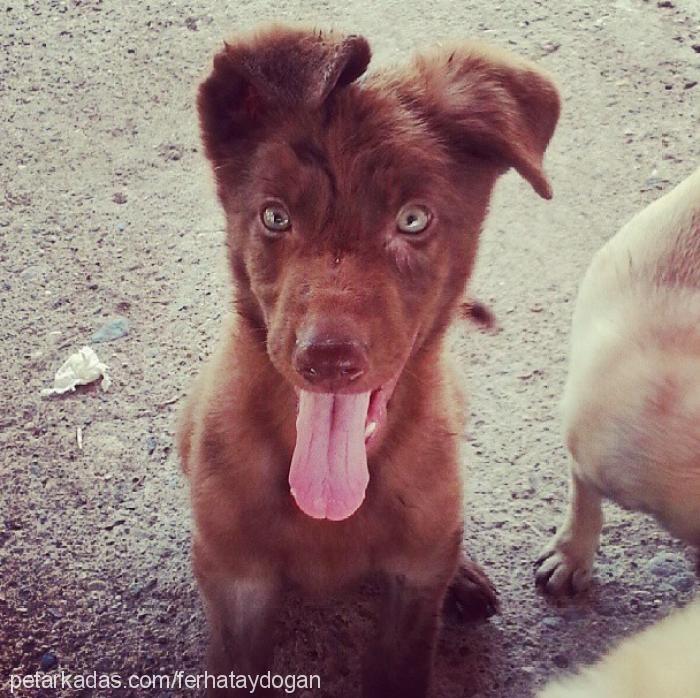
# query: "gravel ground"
[[108, 212]]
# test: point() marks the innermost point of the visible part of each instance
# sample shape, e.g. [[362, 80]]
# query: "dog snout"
[[330, 362]]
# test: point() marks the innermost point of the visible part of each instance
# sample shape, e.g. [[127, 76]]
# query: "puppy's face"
[[354, 209], [354, 240]]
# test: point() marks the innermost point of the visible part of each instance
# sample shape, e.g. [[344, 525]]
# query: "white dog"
[[631, 406], [661, 662]]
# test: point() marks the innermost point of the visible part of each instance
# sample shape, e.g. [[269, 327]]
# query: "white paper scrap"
[[80, 368]]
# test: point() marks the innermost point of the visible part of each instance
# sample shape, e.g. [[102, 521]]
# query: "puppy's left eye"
[[275, 218], [413, 219]]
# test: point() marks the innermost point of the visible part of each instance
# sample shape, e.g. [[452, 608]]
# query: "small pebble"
[[551, 622], [31, 273], [138, 589], [683, 582], [151, 444], [561, 661], [48, 661], [119, 197], [114, 524], [550, 47], [664, 565], [652, 183], [113, 329]]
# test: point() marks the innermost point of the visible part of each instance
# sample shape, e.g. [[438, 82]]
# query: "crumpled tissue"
[[80, 368]]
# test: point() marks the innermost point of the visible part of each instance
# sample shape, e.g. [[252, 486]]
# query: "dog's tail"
[[478, 313]]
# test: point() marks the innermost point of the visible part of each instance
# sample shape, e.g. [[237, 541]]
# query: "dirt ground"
[[107, 211]]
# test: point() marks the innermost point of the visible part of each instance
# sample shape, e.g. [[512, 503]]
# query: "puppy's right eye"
[[275, 218], [413, 219]]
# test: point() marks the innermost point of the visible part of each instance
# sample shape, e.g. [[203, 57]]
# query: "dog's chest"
[[320, 556]]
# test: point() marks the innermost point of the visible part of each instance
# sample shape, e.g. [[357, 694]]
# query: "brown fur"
[[283, 118]]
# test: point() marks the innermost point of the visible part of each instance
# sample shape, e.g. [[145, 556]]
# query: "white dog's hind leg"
[[565, 564]]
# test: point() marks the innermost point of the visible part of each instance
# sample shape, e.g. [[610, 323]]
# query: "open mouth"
[[376, 412], [328, 476]]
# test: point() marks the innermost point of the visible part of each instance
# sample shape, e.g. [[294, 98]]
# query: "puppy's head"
[[354, 206]]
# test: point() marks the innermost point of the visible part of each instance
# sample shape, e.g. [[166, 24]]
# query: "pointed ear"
[[488, 103], [275, 69]]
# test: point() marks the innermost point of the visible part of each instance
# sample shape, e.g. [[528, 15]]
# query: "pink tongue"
[[329, 475]]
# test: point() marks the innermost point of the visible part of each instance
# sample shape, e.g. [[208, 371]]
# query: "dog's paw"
[[564, 567], [471, 595]]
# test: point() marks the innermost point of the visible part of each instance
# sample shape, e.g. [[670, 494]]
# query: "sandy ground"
[[108, 210]]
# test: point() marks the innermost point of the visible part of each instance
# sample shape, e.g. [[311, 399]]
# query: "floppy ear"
[[271, 71], [488, 103]]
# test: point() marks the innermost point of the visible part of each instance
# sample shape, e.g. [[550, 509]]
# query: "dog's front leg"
[[471, 595], [239, 612], [399, 664], [566, 563]]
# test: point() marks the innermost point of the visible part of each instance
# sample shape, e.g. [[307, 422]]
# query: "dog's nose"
[[332, 362]]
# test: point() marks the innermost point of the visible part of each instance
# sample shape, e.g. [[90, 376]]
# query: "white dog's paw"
[[565, 566]]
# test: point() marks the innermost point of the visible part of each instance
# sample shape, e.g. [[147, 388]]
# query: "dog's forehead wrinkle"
[[279, 173], [313, 155], [309, 152]]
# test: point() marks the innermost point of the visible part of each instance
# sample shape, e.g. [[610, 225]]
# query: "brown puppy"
[[353, 214]]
